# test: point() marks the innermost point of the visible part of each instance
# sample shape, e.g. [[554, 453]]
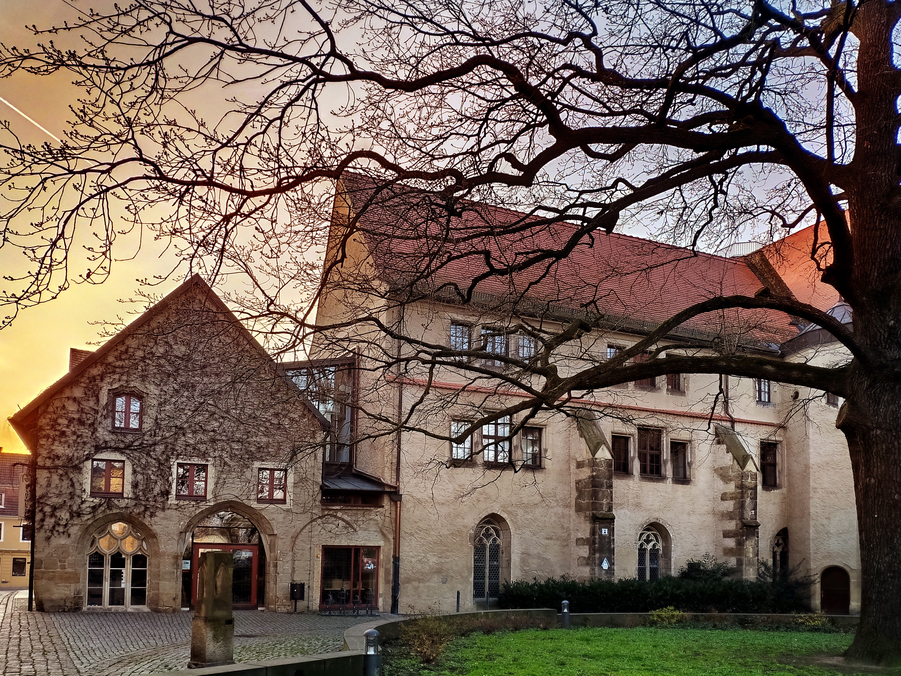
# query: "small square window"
[[531, 446], [26, 532], [191, 481], [613, 350], [621, 454], [831, 399], [495, 440], [108, 478], [272, 485], [764, 391], [460, 337], [127, 412], [679, 459], [19, 566], [463, 450]]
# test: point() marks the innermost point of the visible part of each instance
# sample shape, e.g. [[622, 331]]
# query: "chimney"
[[77, 356]]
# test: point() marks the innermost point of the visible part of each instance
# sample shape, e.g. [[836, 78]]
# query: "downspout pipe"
[[395, 561]]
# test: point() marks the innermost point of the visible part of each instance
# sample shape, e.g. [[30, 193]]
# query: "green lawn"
[[634, 652]]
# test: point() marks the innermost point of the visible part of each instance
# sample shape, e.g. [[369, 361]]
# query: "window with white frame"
[[496, 441], [525, 347], [495, 342], [763, 389], [460, 337], [460, 450], [531, 446], [117, 567], [613, 350]]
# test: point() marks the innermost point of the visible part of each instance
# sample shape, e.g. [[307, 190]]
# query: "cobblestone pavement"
[[127, 644]]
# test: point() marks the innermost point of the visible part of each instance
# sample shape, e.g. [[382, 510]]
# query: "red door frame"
[[222, 547]]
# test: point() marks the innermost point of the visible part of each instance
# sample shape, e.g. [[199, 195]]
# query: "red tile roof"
[[791, 258], [413, 238]]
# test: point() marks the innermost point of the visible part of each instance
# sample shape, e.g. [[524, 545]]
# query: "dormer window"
[[128, 412]]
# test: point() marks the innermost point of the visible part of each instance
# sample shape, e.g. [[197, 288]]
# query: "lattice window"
[[650, 551], [531, 446], [117, 567], [462, 450], [486, 561], [763, 388], [496, 440], [460, 336], [649, 451], [495, 342], [526, 347]]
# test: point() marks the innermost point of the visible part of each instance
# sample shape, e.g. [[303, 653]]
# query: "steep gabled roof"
[[799, 260], [19, 421], [415, 241]]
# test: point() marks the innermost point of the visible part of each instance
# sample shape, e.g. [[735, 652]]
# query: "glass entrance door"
[[349, 577], [244, 577]]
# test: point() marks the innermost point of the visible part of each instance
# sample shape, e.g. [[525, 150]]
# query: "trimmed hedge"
[[631, 596]]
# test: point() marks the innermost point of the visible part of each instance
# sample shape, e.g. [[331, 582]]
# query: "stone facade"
[[394, 496]]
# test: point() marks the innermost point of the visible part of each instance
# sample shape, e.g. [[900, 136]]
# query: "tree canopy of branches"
[[212, 124]]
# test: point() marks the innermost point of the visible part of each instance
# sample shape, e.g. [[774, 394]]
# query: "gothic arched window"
[[117, 567], [486, 560], [650, 552]]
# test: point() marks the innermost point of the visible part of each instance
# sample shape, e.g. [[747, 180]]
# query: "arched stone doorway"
[[835, 591], [228, 531]]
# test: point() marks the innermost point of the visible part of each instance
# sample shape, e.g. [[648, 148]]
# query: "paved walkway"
[[127, 644]]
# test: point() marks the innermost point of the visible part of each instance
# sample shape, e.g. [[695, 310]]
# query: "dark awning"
[[353, 483]]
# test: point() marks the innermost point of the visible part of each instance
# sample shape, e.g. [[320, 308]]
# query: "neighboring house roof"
[[415, 241], [799, 260], [20, 419]]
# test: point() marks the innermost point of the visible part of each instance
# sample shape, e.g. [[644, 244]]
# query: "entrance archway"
[[228, 531], [490, 559], [835, 591]]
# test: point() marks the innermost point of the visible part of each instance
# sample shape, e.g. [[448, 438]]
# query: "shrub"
[[427, 637], [707, 568], [723, 595], [665, 617]]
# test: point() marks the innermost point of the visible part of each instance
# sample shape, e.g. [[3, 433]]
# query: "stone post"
[[213, 626]]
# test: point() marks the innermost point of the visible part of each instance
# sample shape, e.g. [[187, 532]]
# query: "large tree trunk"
[[872, 425]]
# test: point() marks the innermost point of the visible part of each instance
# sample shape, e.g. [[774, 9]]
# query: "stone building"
[[382, 473]]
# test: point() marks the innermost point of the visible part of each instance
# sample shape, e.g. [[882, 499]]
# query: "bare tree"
[[696, 118]]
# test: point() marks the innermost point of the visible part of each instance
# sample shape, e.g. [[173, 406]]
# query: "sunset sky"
[[34, 351]]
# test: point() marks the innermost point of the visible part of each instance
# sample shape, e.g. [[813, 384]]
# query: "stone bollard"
[[565, 615], [213, 626], [372, 661]]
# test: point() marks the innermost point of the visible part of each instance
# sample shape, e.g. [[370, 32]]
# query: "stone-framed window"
[[678, 453], [191, 480], [621, 454], [526, 347], [460, 336], [107, 478], [461, 451], [650, 554], [496, 441], [763, 391], [128, 412], [531, 446], [495, 343], [675, 383], [272, 485], [650, 447], [769, 468]]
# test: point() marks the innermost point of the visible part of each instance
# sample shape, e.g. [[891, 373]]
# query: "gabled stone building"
[[382, 474]]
